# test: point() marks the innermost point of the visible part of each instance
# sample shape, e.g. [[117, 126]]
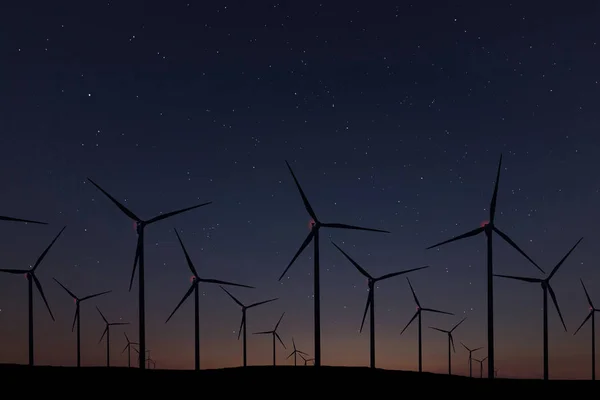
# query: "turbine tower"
[[593, 311]]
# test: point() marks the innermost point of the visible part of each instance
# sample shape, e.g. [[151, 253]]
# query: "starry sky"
[[393, 116]]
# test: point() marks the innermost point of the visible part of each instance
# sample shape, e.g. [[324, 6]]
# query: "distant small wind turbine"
[[275, 335], [243, 324], [451, 347], [194, 288], [295, 353], [306, 360], [480, 366], [107, 334], [591, 315], [140, 225], [471, 351], [128, 348], [315, 225], [77, 317], [371, 297], [418, 314], [31, 279], [27, 221], [489, 227], [545, 283]]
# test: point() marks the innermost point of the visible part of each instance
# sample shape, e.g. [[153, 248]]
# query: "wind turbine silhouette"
[[243, 323], [194, 288], [480, 366], [295, 352], [275, 335], [471, 351], [306, 360], [546, 288], [450, 343], [418, 314], [107, 334], [488, 228], [27, 221], [31, 279], [313, 235], [139, 258], [371, 297], [128, 348], [143, 359], [591, 315], [77, 317]]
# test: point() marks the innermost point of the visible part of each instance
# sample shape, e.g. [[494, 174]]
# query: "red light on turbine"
[[192, 278], [311, 223], [484, 223], [591, 308], [75, 301], [26, 274], [134, 225], [418, 308]]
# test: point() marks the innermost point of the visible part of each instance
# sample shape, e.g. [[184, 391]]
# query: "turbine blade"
[[39, 287], [103, 333], [520, 278], [294, 343], [358, 267], [438, 329], [124, 209], [263, 333], [413, 293], [278, 322], [102, 315], [514, 245], [584, 321], [354, 227], [65, 288], [291, 354], [586, 294], [138, 251], [560, 263], [367, 305], [457, 325], [410, 322], [262, 302], [474, 232], [479, 348], [301, 353], [126, 347], [41, 257], [184, 298], [280, 341], [232, 296], [75, 318], [242, 322], [120, 323], [91, 296], [391, 275], [452, 342], [495, 195], [217, 281], [14, 271], [127, 338], [436, 311], [187, 256], [469, 350], [4, 218], [173, 213], [307, 205], [306, 242], [556, 305]]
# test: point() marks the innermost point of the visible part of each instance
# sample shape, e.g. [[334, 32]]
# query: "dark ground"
[[269, 381]]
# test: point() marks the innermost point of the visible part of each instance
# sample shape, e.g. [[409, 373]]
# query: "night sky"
[[393, 116]]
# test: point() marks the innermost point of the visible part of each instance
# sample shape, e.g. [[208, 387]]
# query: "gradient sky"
[[393, 116]]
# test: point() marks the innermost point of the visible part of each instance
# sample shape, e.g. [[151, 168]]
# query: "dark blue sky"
[[392, 116]]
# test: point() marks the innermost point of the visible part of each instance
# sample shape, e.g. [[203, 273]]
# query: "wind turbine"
[[27, 221], [546, 288], [151, 361], [107, 334], [128, 348], [243, 323], [418, 314], [140, 225], [275, 335], [313, 235], [77, 318], [31, 279], [295, 353], [194, 288], [471, 351], [591, 315], [488, 228], [450, 343], [481, 366], [371, 297], [306, 360]]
